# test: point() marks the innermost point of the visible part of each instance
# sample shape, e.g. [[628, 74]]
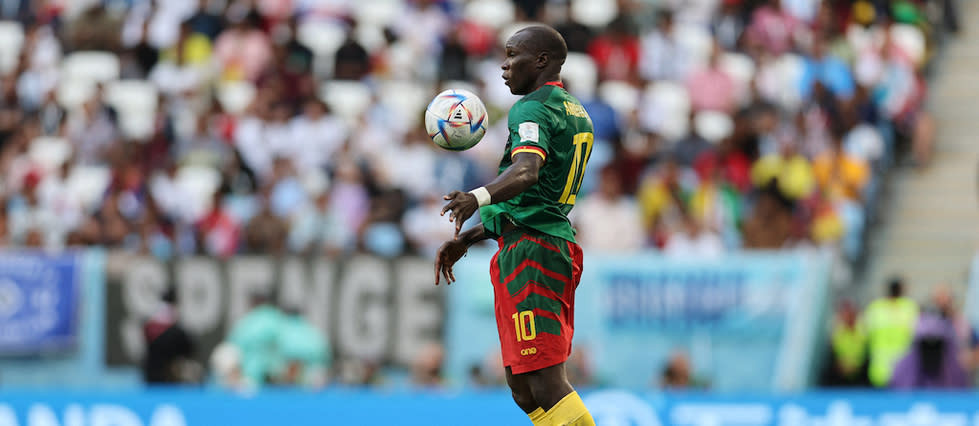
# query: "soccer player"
[[538, 266]]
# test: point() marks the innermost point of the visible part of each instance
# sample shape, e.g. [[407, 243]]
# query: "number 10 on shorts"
[[523, 323]]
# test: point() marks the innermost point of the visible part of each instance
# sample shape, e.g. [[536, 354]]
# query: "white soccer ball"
[[456, 120]]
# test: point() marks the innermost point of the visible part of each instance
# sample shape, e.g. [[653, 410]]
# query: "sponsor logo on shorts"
[[528, 351]]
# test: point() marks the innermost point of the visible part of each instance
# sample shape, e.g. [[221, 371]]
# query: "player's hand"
[[450, 252], [462, 205]]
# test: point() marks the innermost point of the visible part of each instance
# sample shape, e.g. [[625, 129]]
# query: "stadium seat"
[[199, 183], [581, 74], [11, 40], [136, 103], [742, 69], [410, 102], [697, 42], [89, 184], [594, 13], [665, 109], [377, 13], [49, 152], [347, 99], [510, 29], [621, 96], [236, 96], [790, 68], [911, 41], [73, 92], [458, 84], [92, 66], [494, 14], [713, 126], [370, 36], [323, 38]]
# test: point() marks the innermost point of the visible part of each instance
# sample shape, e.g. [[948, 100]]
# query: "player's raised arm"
[[517, 178]]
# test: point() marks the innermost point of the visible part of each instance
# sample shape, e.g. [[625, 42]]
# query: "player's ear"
[[542, 60]]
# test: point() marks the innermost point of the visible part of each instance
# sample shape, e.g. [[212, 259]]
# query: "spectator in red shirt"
[[217, 231], [616, 52]]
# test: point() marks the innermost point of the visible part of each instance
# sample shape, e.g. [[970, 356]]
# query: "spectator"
[[848, 364], [769, 224], [890, 325], [304, 351], [170, 350], [827, 69], [931, 361], [263, 233], [788, 168], [426, 370], [840, 175], [616, 51], [772, 29], [318, 229], [217, 231], [317, 136], [711, 88], [965, 335], [695, 241], [243, 50], [663, 57], [352, 62], [662, 202], [92, 131], [609, 220], [256, 336], [206, 21], [677, 374]]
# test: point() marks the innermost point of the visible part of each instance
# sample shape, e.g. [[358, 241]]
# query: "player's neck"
[[549, 79]]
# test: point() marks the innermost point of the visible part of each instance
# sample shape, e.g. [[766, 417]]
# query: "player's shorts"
[[534, 279]]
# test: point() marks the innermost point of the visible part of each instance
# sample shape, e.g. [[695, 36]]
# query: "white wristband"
[[482, 196]]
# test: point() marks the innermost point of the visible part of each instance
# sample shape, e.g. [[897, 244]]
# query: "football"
[[456, 119]]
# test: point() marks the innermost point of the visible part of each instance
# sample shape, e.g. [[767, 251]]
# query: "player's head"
[[534, 55]]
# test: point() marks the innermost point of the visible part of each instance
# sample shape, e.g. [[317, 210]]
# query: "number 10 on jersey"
[[523, 324], [582, 150]]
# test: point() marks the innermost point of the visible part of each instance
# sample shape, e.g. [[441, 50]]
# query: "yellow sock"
[[569, 411], [536, 416]]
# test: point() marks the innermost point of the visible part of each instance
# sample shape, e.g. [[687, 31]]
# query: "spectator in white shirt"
[[317, 136], [663, 58], [608, 220], [695, 242]]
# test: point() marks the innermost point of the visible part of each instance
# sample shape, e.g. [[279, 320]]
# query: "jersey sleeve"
[[530, 130]]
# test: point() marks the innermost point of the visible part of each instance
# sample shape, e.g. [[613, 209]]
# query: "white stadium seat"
[[347, 99], [581, 74], [621, 96], [236, 96], [665, 109], [713, 126], [491, 13], [742, 69], [378, 13], [92, 66], [73, 92], [409, 102], [199, 183], [323, 37], [11, 40], [89, 184], [594, 13], [136, 102], [697, 42], [49, 153]]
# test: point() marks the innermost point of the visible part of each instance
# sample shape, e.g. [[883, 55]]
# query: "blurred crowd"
[[220, 126], [897, 343]]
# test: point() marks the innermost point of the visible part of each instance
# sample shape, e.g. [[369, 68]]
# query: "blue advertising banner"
[[491, 408], [39, 299], [760, 311]]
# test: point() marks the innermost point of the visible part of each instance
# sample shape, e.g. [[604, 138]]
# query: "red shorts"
[[534, 279]]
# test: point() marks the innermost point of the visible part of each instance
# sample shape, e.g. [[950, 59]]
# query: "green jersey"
[[551, 123]]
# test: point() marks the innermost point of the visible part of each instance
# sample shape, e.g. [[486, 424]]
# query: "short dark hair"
[[895, 287], [546, 39]]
